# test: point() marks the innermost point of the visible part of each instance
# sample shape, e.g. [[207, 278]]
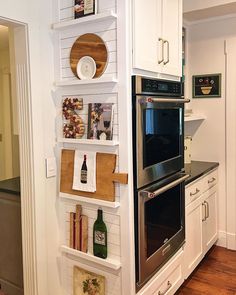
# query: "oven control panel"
[[161, 87]]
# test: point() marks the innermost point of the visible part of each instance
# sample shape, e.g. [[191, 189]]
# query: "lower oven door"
[[161, 224]]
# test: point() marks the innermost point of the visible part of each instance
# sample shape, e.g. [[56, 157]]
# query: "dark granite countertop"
[[11, 186], [197, 169]]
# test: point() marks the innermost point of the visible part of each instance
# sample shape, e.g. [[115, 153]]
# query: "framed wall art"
[[88, 283], [206, 85], [84, 8]]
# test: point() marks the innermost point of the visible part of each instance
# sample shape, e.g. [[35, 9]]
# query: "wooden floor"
[[216, 275]]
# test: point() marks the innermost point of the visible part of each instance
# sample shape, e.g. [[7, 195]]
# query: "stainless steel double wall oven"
[[158, 149]]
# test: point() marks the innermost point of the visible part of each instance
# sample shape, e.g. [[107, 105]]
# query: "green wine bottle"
[[100, 237]]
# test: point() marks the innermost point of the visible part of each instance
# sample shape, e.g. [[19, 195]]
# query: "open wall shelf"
[[194, 117], [109, 263], [90, 200], [89, 141], [107, 15], [74, 82]]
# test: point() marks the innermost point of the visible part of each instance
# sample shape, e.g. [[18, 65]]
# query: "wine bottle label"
[[83, 176], [99, 238]]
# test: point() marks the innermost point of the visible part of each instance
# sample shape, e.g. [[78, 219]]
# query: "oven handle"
[[151, 195], [167, 100]]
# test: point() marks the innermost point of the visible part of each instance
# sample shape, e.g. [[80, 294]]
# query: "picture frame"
[[206, 86], [84, 8], [88, 283], [100, 121]]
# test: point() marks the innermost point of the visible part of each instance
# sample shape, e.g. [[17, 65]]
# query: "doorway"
[[17, 161], [9, 134]]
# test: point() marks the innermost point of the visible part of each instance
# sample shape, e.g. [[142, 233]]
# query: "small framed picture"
[[207, 86], [100, 121], [85, 7], [86, 282]]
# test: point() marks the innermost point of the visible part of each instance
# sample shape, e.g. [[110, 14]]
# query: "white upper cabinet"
[[146, 47], [172, 34], [157, 36]]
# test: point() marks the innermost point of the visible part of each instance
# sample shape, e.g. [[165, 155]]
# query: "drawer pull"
[[169, 285], [211, 180], [196, 192], [205, 211], [162, 50]]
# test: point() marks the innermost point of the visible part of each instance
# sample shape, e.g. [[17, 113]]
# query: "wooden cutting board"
[[105, 176], [89, 45]]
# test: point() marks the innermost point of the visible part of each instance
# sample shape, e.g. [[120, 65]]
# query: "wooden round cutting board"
[[89, 45]]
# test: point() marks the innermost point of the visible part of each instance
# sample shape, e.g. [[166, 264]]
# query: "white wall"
[[37, 15], [206, 56]]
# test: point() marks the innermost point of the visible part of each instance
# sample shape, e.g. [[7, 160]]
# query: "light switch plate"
[[51, 167]]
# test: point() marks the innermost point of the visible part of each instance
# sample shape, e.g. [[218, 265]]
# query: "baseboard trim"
[[222, 239], [231, 241], [226, 240]]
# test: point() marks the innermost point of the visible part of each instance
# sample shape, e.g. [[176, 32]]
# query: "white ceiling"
[[4, 43], [211, 12]]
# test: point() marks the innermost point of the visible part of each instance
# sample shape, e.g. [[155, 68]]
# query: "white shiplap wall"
[[107, 30], [112, 220]]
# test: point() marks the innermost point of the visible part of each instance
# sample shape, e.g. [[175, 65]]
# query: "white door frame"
[[27, 162], [230, 46]]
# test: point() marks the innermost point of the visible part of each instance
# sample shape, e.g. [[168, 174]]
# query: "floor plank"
[[216, 275]]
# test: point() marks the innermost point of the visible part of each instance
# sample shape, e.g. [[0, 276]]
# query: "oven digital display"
[[163, 87]]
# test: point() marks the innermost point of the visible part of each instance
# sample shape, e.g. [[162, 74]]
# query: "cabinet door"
[[147, 48], [193, 250], [172, 33], [210, 224]]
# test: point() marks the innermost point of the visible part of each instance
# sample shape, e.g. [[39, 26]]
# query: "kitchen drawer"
[[210, 180], [167, 280], [172, 283], [193, 191]]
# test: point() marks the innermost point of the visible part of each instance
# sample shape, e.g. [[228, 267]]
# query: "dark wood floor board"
[[215, 275]]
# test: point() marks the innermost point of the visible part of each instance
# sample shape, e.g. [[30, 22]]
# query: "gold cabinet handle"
[[205, 212], [207, 209], [169, 285], [162, 50], [211, 180], [196, 192], [168, 51]]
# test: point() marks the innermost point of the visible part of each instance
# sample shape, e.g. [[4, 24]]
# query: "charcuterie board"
[[89, 45], [105, 176]]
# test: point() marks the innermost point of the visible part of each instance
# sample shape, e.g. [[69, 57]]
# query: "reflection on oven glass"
[[162, 130], [162, 219]]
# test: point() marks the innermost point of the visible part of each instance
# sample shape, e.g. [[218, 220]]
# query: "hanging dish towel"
[[84, 171]]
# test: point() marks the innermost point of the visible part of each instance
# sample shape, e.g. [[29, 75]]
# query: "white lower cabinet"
[[193, 249], [210, 224], [168, 279], [201, 220]]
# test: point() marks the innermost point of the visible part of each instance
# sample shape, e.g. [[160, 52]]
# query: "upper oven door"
[[159, 137]]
